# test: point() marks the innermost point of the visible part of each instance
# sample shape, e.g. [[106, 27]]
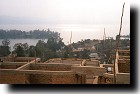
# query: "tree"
[[25, 47], [84, 54], [55, 44], [5, 49], [40, 48], [5, 42], [31, 51], [16, 45], [20, 51], [18, 34]]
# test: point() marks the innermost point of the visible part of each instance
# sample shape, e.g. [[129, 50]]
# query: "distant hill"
[[35, 34]]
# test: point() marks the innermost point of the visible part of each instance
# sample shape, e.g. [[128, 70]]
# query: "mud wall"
[[51, 67], [8, 78], [124, 67], [52, 79]]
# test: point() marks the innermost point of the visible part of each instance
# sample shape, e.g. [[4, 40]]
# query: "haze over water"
[[79, 31]]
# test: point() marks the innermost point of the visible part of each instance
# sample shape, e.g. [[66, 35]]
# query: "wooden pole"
[[117, 44], [104, 38], [35, 56], [70, 37]]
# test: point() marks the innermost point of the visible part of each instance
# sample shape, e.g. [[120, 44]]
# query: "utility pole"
[[104, 38], [104, 46], [117, 44], [70, 37], [35, 55], [70, 43]]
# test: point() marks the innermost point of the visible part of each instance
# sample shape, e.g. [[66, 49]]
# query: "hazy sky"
[[60, 15], [64, 11]]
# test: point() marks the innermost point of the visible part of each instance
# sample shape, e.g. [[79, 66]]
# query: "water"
[[79, 31], [29, 41]]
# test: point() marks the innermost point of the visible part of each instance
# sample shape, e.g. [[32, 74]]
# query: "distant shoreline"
[[33, 34]]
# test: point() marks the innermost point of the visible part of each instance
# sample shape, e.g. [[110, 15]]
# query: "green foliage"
[[20, 52], [51, 49], [5, 42], [125, 42], [55, 44], [4, 50], [35, 34], [85, 54], [31, 51], [21, 49]]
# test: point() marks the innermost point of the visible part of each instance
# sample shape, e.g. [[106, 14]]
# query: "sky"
[[85, 18], [63, 11]]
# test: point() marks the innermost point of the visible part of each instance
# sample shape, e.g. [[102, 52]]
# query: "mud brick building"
[[29, 70]]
